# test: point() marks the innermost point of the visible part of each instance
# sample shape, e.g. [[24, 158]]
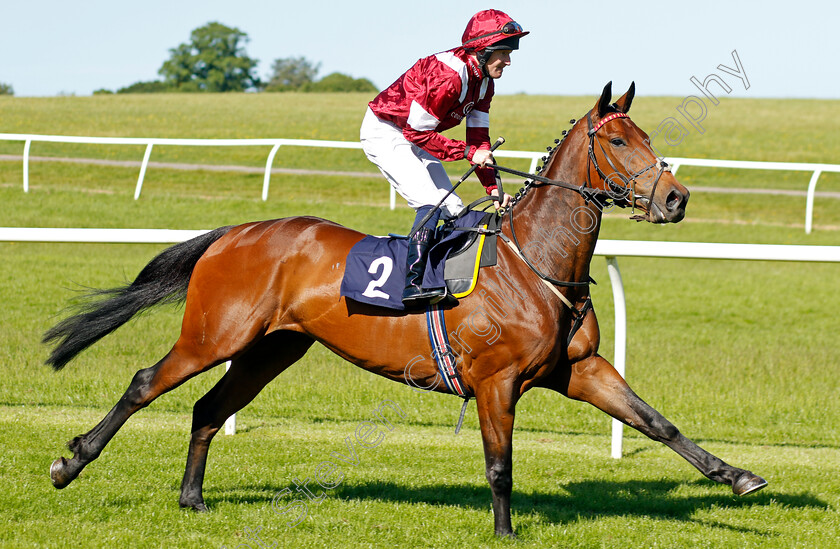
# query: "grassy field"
[[742, 356]]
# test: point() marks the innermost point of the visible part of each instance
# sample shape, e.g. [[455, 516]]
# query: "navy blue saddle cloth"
[[374, 271]]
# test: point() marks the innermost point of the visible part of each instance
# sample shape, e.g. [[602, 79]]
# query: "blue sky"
[[789, 49]]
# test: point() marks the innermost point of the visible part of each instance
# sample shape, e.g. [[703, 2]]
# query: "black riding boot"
[[418, 252]]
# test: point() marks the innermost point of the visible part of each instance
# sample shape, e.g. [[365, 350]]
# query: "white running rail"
[[275, 145]]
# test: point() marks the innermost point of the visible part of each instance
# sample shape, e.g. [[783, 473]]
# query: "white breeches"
[[415, 174]]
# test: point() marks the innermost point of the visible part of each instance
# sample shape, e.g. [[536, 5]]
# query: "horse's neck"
[[556, 228]]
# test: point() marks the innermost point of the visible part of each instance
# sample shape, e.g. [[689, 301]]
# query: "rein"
[[586, 190]]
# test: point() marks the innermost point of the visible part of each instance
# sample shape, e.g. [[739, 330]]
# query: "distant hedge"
[[338, 82], [335, 82]]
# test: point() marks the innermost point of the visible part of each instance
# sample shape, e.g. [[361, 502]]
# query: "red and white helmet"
[[492, 29]]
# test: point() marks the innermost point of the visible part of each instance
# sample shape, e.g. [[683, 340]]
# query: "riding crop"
[[464, 177]]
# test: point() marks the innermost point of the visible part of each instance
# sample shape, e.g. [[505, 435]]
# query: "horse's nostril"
[[675, 200]]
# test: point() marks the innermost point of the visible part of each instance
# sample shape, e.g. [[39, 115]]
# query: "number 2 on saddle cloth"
[[375, 268]]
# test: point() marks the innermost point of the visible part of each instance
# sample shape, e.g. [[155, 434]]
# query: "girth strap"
[[445, 358], [442, 352]]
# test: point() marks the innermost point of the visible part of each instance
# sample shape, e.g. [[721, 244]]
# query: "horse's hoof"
[[199, 507], [748, 483], [58, 473]]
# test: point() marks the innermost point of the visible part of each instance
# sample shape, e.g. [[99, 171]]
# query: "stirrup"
[[422, 297]]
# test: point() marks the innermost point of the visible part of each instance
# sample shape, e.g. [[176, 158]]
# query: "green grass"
[[742, 356], [421, 487]]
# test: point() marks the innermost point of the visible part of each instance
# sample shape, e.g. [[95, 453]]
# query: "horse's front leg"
[[496, 408], [596, 381]]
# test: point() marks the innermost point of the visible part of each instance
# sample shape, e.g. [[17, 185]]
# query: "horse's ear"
[[604, 102], [625, 100]]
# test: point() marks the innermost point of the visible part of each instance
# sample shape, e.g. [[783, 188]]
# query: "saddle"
[[374, 271]]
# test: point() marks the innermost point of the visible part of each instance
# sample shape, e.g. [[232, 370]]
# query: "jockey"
[[401, 130]]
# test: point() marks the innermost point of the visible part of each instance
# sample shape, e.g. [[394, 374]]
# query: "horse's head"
[[622, 163]]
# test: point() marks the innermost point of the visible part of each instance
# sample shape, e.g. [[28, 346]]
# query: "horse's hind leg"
[[146, 385], [248, 374], [594, 380]]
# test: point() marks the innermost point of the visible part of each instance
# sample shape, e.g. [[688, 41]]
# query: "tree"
[[6, 89], [291, 74], [338, 82], [214, 60]]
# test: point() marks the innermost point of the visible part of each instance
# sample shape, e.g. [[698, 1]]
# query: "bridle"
[[619, 193]]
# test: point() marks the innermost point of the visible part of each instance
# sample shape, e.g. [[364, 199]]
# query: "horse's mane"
[[552, 152], [546, 161]]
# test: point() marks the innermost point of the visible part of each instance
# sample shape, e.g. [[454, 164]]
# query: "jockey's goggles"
[[511, 27]]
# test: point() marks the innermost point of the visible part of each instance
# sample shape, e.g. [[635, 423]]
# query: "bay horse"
[[260, 294]]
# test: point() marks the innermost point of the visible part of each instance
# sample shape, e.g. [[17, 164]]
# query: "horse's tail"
[[163, 280]]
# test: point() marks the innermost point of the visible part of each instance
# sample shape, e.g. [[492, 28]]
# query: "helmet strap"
[[483, 57]]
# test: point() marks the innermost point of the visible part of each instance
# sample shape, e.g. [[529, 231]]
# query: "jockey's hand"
[[505, 200], [482, 157]]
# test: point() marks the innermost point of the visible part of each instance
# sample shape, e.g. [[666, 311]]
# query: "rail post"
[[809, 205], [620, 343], [268, 163], [26, 165], [230, 423], [143, 167]]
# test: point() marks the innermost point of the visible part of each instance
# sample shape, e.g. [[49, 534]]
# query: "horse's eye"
[[617, 142]]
